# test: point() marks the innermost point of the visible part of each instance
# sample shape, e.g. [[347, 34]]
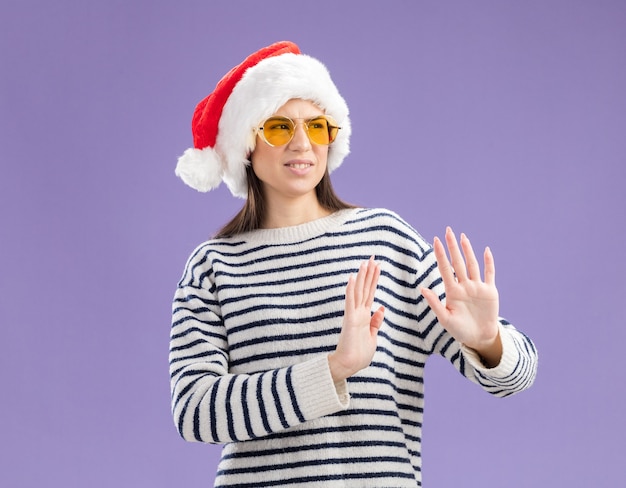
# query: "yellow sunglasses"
[[278, 130]]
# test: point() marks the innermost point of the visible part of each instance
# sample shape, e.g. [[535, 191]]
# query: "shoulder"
[[216, 247], [382, 224], [200, 263], [383, 218], [376, 215]]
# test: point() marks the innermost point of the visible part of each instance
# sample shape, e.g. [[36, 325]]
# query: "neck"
[[287, 212]]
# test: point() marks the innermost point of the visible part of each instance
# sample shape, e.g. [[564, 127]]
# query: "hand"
[[470, 313], [357, 340]]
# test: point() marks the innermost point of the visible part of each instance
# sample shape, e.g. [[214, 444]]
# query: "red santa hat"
[[223, 123]]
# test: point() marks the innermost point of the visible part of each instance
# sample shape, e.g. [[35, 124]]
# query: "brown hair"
[[251, 216]]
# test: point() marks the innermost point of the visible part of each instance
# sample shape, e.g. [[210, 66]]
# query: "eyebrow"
[[296, 118]]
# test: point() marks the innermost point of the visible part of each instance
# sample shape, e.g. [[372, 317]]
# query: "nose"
[[300, 140]]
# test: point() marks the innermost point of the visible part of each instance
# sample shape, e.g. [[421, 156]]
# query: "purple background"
[[506, 120]]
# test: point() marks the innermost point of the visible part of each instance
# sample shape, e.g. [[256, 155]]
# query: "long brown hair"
[[251, 216]]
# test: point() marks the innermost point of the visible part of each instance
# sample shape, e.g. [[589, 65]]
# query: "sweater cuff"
[[508, 361], [316, 393]]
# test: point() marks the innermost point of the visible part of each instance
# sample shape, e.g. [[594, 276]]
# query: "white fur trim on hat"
[[201, 169], [265, 88], [247, 98]]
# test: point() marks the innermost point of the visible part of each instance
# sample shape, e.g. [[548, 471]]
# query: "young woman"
[[301, 331]]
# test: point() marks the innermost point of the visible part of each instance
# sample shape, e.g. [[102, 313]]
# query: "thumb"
[[377, 319]]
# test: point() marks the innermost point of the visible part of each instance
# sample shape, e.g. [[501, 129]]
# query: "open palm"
[[357, 341], [470, 312]]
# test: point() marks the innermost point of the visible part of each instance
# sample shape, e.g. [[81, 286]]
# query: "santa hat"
[[223, 123]]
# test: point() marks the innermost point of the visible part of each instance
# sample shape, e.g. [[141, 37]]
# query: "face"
[[293, 170]]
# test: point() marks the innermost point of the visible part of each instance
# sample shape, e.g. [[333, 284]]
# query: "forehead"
[[297, 107]]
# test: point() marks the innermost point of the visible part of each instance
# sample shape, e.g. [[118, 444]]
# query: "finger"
[[455, 255], [373, 285], [350, 292], [377, 319], [473, 268], [435, 304], [445, 268], [358, 285], [490, 267], [369, 279]]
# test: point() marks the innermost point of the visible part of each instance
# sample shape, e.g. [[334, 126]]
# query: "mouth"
[[299, 165]]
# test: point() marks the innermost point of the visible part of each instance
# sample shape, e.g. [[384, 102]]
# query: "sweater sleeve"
[[209, 404], [515, 372], [517, 368], [518, 365]]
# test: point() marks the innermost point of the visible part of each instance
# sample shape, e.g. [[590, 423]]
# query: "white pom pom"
[[201, 169]]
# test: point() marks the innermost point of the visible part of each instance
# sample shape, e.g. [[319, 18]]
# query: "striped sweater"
[[254, 318]]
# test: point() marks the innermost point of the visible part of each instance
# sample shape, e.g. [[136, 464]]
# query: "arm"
[[491, 346], [357, 341], [210, 404]]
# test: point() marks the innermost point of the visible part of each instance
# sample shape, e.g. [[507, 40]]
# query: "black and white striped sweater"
[[254, 318]]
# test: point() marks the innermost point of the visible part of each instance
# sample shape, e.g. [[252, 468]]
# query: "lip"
[[299, 167]]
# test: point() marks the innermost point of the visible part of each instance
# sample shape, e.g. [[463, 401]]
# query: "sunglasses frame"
[[332, 123]]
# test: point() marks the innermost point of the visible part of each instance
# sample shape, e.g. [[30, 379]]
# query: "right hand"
[[357, 340]]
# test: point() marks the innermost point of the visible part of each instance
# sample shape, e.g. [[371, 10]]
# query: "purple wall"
[[506, 120]]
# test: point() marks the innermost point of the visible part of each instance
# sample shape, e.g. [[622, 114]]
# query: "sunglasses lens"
[[322, 130], [278, 130]]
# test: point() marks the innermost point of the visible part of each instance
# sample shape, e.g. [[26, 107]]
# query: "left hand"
[[470, 313]]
